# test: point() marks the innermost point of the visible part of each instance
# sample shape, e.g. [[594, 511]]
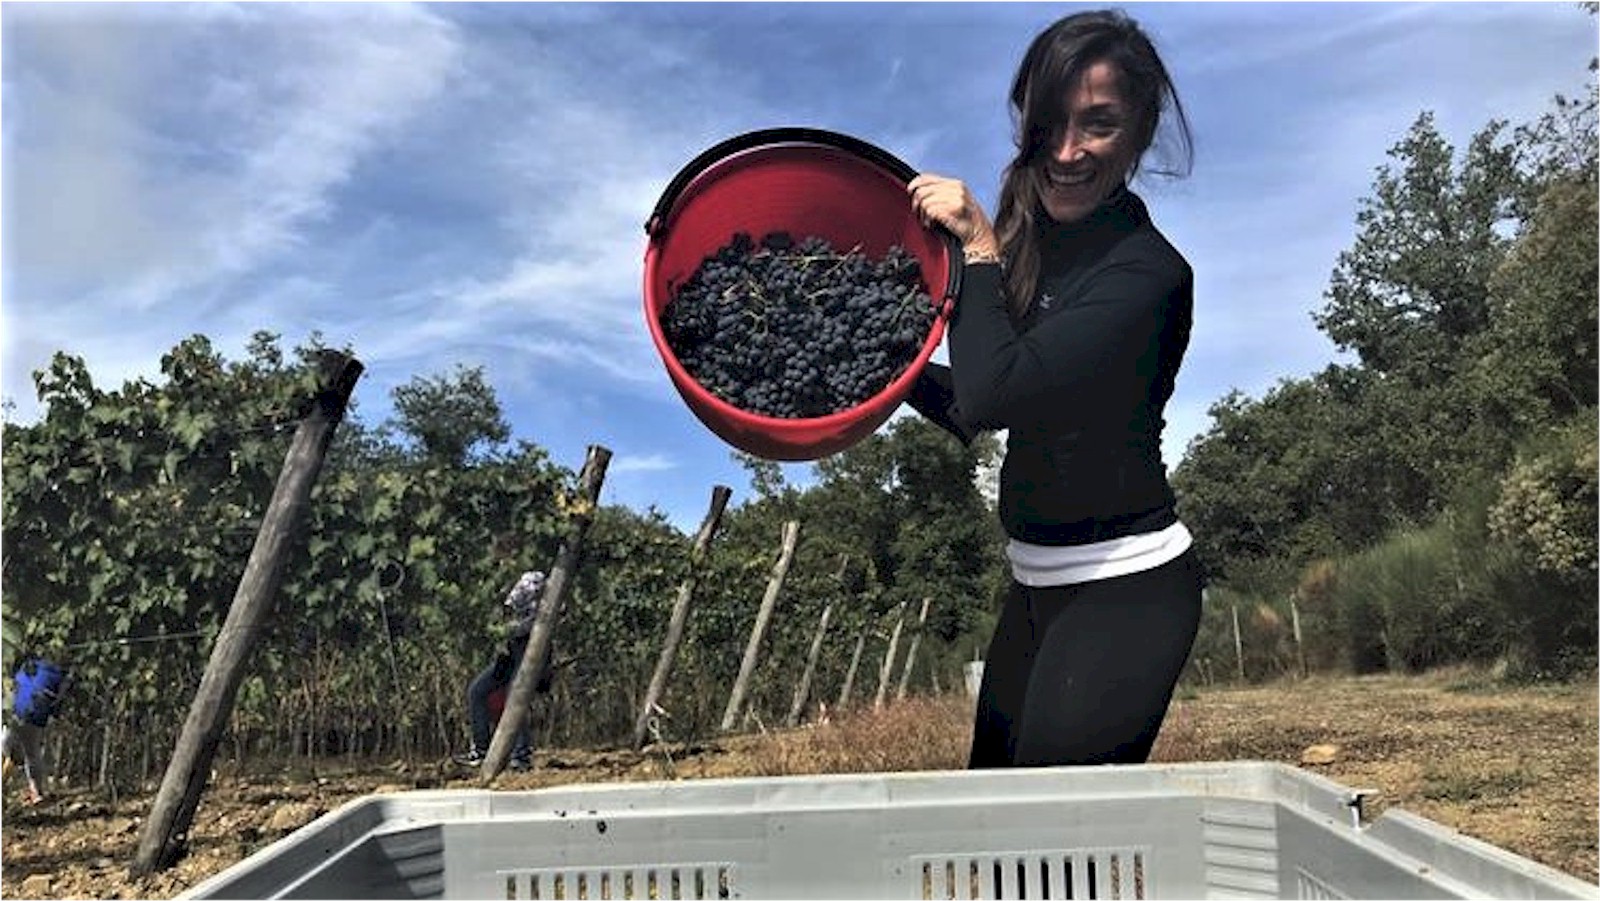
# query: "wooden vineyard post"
[[1299, 643], [1238, 643], [911, 652], [855, 660], [680, 612], [165, 835], [802, 691], [580, 515], [741, 685], [888, 657]]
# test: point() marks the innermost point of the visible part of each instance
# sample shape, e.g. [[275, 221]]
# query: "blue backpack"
[[39, 685]]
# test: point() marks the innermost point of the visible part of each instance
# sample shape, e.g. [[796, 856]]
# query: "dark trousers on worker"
[[1083, 673], [496, 675]]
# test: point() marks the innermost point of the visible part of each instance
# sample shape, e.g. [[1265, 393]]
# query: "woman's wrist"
[[980, 250], [981, 246]]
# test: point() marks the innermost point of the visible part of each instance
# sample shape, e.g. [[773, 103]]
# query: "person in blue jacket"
[[36, 699], [1073, 316]]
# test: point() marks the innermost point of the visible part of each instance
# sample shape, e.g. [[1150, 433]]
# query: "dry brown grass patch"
[[914, 734]]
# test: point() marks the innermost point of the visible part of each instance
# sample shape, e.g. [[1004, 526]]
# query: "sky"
[[464, 184]]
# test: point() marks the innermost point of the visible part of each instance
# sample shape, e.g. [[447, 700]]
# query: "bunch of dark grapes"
[[797, 329]]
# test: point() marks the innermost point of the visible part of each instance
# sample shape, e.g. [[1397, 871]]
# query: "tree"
[[1279, 478], [944, 543], [1469, 297], [1536, 360], [1414, 287], [450, 416]]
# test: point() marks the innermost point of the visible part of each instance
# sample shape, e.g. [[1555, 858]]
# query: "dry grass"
[[915, 734]]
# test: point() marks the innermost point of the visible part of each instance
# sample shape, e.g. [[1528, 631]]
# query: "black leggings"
[[1081, 674]]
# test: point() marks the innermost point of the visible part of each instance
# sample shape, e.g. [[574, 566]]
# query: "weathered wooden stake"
[[680, 612], [1238, 643], [855, 660], [911, 653], [580, 515], [747, 668], [888, 657], [1299, 645], [165, 834], [802, 691]]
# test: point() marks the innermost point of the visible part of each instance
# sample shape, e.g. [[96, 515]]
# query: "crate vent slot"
[[1309, 886], [698, 881], [1079, 875]]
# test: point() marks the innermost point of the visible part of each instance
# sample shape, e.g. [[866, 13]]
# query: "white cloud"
[[623, 464], [580, 159], [361, 73], [1262, 40], [144, 189]]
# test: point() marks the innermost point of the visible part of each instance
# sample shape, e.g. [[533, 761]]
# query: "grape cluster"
[[796, 329]]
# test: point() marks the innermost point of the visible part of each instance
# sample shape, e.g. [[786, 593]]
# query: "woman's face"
[[1093, 151]]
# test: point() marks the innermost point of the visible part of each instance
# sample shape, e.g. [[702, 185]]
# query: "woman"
[[1073, 317]]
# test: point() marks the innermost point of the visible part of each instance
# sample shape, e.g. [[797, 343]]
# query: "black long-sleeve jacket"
[[1081, 381]]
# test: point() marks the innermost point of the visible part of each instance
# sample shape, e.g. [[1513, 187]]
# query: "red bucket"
[[806, 182]]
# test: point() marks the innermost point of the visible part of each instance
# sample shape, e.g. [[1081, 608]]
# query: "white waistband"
[[1040, 566]]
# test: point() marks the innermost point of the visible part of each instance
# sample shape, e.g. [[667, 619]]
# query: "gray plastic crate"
[[1227, 830]]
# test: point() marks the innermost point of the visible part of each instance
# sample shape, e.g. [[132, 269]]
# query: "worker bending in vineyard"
[[36, 698], [521, 606]]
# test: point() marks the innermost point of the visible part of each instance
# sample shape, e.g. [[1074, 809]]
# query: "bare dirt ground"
[[1516, 767]]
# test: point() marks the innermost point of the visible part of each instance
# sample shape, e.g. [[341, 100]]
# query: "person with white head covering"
[[523, 600], [522, 606]]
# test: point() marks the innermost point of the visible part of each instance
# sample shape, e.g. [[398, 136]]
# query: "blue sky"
[[467, 183]]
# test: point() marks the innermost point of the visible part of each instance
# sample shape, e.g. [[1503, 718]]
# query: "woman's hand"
[[948, 202]]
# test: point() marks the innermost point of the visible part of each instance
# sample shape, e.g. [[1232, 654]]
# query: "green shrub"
[[1542, 551], [1427, 597], [1356, 592], [1546, 510], [1319, 616]]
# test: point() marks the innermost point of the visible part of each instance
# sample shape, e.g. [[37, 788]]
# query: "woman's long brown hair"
[[1052, 65]]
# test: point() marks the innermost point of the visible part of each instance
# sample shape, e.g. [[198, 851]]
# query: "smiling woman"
[[1093, 145], [1073, 317]]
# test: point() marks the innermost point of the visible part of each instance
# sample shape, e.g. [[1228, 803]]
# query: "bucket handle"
[[801, 135]]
